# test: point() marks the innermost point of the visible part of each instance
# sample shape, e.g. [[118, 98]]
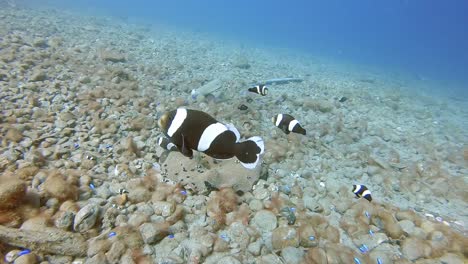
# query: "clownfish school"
[[361, 191], [187, 130], [259, 89], [192, 130]]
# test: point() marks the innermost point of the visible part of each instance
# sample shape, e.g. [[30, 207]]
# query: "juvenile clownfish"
[[362, 191], [288, 124], [192, 130], [259, 89]]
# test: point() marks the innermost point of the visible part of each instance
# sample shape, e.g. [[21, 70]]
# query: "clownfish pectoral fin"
[[186, 150], [285, 130]]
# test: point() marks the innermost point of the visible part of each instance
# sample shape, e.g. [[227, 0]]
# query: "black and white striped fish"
[[259, 89], [362, 191], [192, 130], [288, 124]]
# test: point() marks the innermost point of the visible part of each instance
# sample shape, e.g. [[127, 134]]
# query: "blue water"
[[424, 38]]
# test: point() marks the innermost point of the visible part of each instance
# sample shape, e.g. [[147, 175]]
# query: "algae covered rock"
[[283, 237], [12, 192], [202, 173]]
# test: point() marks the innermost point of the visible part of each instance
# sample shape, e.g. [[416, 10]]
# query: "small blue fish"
[[24, 252], [357, 261], [363, 248], [224, 237], [111, 234], [367, 214]]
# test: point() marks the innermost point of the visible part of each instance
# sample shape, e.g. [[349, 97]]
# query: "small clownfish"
[[362, 191], [259, 89], [288, 124]]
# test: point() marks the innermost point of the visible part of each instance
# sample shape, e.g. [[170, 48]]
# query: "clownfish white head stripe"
[[179, 118]]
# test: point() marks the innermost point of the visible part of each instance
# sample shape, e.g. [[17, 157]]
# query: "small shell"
[[86, 218], [12, 255]]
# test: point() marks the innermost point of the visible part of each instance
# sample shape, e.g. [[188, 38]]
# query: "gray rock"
[[121, 220], [115, 252], [228, 260], [292, 255], [451, 258], [38, 75], [96, 246], [137, 219], [165, 247], [407, 226], [146, 209], [419, 233], [103, 191], [269, 259], [148, 250], [312, 204], [59, 259], [260, 193], [255, 205], [163, 208], [371, 241], [386, 252], [255, 247], [285, 236], [309, 202], [237, 233], [112, 56], [127, 258], [99, 258], [413, 248], [64, 220], [30, 258], [86, 218], [39, 43], [153, 232], [109, 218], [170, 260], [264, 220]]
